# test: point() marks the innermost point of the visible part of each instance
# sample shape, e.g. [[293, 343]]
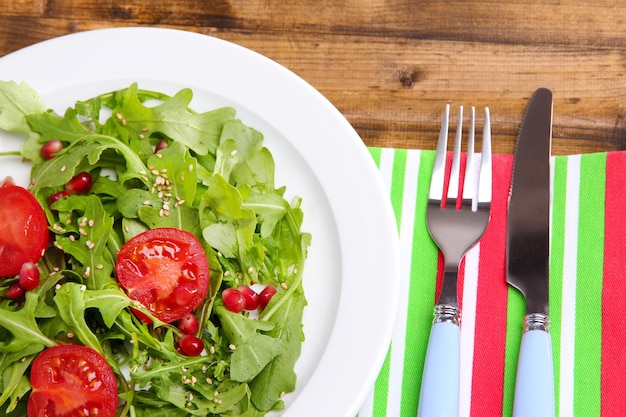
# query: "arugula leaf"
[[21, 324], [253, 348], [17, 101], [86, 238], [233, 232], [172, 118], [279, 376]]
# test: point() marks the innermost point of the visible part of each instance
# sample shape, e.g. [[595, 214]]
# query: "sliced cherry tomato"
[[165, 270], [72, 380], [24, 228]]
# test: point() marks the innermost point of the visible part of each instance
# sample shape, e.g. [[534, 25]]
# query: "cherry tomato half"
[[165, 270], [24, 228], [72, 380]]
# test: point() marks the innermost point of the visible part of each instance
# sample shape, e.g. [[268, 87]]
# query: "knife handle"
[[534, 388], [439, 394]]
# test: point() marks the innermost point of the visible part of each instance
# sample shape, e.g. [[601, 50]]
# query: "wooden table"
[[391, 65]]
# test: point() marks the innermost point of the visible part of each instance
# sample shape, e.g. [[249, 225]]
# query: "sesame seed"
[[99, 266], [90, 244], [142, 136], [142, 172], [250, 270], [70, 335], [283, 285], [145, 128], [146, 203], [232, 347], [159, 155], [234, 152], [226, 273], [190, 168], [82, 232], [57, 287], [209, 381], [154, 172], [212, 349], [63, 168], [91, 223], [119, 116], [83, 287], [72, 238]]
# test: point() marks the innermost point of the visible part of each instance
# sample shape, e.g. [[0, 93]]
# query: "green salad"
[[173, 256]]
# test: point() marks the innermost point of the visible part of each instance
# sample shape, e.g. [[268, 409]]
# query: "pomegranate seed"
[[266, 295], [51, 148], [29, 276], [233, 300], [161, 145], [57, 196], [15, 292], [190, 345], [184, 293], [251, 297], [189, 324], [7, 182], [80, 183]]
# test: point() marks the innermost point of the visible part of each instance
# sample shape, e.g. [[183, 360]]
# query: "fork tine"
[[435, 192], [453, 185], [484, 189], [470, 183]]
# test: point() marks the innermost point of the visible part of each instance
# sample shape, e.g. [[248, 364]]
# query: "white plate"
[[352, 274]]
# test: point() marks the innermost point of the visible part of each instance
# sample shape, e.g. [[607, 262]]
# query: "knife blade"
[[528, 248]]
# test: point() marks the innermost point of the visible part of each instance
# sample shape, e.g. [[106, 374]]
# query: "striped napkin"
[[587, 291]]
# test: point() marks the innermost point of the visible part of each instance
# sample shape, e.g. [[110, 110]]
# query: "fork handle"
[[439, 393], [534, 387]]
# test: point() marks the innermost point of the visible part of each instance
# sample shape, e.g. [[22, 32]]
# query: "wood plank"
[[390, 66]]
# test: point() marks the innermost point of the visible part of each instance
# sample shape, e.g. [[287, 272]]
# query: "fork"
[[455, 228]]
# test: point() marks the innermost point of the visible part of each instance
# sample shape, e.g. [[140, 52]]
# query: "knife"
[[528, 247]]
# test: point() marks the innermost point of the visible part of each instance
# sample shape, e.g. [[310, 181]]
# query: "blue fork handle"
[[439, 394], [534, 387]]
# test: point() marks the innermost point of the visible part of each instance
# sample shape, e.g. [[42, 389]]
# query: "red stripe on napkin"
[[613, 388], [491, 302]]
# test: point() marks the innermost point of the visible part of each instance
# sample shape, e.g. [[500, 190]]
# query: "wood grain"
[[390, 66]]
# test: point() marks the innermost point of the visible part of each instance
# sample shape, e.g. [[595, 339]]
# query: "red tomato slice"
[[165, 270], [72, 380], [24, 228]]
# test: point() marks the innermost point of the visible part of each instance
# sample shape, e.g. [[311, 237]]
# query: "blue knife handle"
[[534, 388], [439, 394]]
